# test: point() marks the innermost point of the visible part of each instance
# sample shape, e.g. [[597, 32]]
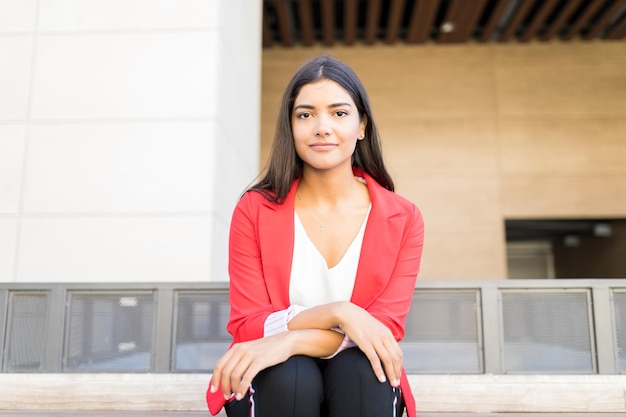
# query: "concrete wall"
[[479, 133], [122, 150]]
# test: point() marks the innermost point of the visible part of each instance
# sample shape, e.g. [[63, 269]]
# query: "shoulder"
[[251, 201], [390, 202]]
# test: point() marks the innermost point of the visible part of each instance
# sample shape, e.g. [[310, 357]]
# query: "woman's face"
[[326, 125]]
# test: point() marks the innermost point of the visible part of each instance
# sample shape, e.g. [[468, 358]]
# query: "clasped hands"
[[310, 335]]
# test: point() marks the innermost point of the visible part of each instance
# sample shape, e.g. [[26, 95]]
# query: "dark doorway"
[[573, 248]]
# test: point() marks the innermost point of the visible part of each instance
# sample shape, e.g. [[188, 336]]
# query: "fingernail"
[[213, 389], [396, 382], [227, 397], [239, 396], [382, 378]]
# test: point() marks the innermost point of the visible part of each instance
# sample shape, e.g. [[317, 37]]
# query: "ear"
[[362, 127]]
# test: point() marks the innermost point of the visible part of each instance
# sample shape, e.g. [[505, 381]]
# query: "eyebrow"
[[331, 106]]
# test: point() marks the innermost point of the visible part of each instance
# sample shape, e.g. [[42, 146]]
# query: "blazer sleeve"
[[392, 306], [249, 299]]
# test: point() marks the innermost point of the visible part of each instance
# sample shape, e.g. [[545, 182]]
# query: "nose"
[[323, 126]]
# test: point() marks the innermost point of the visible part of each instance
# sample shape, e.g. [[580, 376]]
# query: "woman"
[[323, 261]]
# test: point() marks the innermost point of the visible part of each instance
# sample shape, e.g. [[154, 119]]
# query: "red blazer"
[[261, 251]]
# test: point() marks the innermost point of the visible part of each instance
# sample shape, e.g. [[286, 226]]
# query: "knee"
[[297, 374], [349, 365]]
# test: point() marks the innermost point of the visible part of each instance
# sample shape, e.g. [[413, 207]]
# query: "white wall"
[[124, 127]]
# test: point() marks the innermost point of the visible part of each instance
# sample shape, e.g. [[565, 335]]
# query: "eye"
[[303, 115], [341, 113]]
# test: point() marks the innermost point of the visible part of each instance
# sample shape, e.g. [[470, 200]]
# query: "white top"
[[312, 283]]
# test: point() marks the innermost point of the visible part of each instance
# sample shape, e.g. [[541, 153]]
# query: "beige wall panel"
[[434, 146], [573, 196], [427, 81], [475, 134], [563, 145], [406, 81], [556, 79], [455, 205], [478, 255]]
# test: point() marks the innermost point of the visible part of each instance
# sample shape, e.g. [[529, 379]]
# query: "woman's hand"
[[374, 339], [243, 361]]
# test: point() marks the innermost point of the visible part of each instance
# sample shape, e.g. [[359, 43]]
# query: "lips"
[[323, 146]]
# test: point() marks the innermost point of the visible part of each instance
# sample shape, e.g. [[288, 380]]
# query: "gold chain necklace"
[[322, 228]]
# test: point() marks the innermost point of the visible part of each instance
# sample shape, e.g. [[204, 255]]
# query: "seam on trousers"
[[251, 400]]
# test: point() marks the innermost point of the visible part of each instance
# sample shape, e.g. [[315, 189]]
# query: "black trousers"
[[344, 386]]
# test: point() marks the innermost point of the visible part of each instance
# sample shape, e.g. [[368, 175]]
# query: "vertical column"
[[238, 116], [492, 336], [130, 133]]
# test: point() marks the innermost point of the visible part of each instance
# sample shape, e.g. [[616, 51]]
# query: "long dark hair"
[[284, 164]]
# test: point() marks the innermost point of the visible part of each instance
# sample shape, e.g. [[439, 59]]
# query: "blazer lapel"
[[381, 245], [276, 238]]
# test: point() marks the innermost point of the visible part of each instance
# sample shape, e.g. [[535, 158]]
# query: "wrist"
[[339, 312]]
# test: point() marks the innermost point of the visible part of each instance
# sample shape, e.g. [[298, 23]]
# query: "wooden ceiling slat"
[[518, 17], [282, 18], [373, 21], [545, 9], [590, 11], [454, 13], [350, 13], [557, 25], [619, 31], [463, 15], [328, 22], [474, 12], [395, 19], [286, 22], [305, 14], [268, 37], [600, 24], [493, 20], [422, 19]]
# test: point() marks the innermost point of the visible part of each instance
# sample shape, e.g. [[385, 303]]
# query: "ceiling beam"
[[590, 11], [305, 14], [564, 15], [462, 16], [284, 22], [328, 22], [518, 17], [268, 36], [422, 19], [494, 19], [545, 9], [395, 20], [618, 31], [373, 21], [350, 13], [600, 24]]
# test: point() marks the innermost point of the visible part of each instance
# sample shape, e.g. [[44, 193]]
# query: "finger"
[[246, 381], [375, 362], [393, 361], [217, 372], [387, 361], [237, 375], [227, 370]]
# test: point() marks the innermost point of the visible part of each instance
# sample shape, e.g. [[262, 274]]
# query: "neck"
[[331, 190]]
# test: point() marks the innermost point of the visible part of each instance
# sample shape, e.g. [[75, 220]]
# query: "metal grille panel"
[[110, 331], [442, 333], [26, 331], [619, 311], [200, 333], [547, 331]]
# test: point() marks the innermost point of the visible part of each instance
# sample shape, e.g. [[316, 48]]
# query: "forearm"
[[326, 316], [314, 342]]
